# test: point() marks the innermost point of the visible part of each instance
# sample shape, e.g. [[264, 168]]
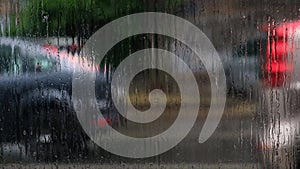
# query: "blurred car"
[[279, 117], [36, 107], [243, 68]]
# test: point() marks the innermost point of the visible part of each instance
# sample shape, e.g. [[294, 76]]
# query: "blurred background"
[[257, 40]]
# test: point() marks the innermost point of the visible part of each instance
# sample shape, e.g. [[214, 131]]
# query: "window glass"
[[149, 84]]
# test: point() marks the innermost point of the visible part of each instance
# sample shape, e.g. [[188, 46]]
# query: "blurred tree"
[[79, 18]]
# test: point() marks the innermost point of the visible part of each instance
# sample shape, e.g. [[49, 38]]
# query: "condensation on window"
[[41, 48]]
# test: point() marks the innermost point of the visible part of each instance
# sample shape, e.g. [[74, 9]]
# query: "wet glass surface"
[[41, 44]]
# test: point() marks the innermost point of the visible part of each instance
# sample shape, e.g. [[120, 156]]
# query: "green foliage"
[[76, 17], [72, 17]]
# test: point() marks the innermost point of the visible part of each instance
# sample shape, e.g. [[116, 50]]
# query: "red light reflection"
[[278, 65], [104, 122]]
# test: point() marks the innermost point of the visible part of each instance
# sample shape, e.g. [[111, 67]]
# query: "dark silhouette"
[[38, 67]]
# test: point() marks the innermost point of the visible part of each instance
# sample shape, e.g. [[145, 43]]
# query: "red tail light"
[[278, 50], [277, 64], [51, 49], [287, 29], [103, 122]]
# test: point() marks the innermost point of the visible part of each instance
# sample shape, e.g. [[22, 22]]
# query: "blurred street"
[[258, 44]]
